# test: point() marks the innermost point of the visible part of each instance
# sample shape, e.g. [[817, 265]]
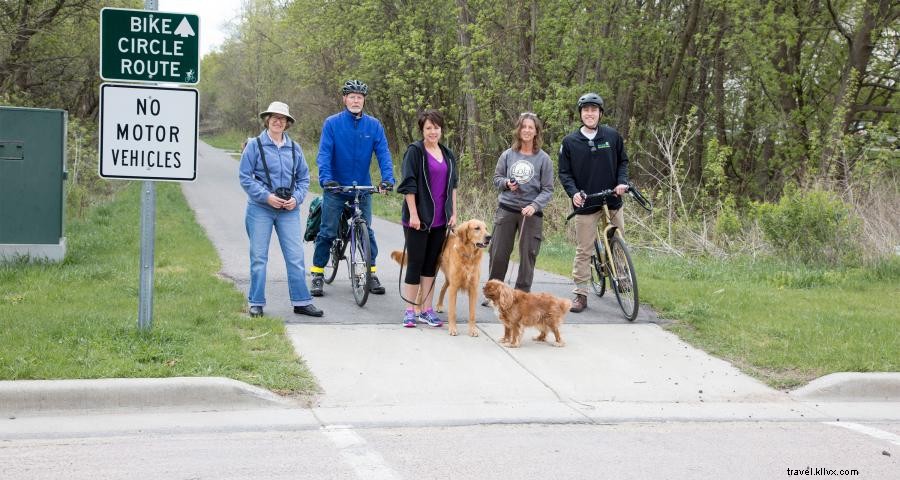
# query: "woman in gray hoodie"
[[524, 178]]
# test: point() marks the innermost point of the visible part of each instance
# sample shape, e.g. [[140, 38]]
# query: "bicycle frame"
[[603, 236], [350, 237]]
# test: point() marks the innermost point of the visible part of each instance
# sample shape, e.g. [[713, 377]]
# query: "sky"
[[214, 15]]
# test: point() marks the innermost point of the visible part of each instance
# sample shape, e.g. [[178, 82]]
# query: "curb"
[[19, 397], [852, 387]]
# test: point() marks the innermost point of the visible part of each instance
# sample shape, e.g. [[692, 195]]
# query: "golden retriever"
[[517, 310], [460, 262]]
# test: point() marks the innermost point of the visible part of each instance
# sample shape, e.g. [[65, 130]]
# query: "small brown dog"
[[461, 265], [517, 310]]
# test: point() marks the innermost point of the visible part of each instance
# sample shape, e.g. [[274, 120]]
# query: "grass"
[[78, 319], [229, 140], [785, 324]]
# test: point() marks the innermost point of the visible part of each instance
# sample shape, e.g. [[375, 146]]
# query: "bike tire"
[[360, 262], [624, 282], [334, 259], [598, 278]]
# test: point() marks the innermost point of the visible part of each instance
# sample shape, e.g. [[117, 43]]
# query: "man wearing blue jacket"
[[349, 139]]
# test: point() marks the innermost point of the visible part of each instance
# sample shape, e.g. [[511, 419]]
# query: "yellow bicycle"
[[611, 258]]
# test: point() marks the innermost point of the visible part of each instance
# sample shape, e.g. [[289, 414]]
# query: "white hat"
[[280, 108]]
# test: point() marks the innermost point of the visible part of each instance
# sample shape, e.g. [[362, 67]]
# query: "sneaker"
[[409, 319], [579, 303], [256, 311], [375, 285], [430, 318], [318, 281]]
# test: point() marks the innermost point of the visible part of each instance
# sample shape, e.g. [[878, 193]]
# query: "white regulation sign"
[[148, 133]]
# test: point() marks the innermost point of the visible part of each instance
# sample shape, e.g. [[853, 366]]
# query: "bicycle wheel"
[[598, 277], [360, 262], [624, 282], [334, 259]]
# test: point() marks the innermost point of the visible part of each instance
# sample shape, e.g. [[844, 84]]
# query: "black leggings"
[[423, 248]]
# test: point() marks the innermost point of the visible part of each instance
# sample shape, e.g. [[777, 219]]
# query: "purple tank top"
[[437, 181]]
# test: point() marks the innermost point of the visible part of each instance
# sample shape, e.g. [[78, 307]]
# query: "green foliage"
[[813, 226], [728, 224]]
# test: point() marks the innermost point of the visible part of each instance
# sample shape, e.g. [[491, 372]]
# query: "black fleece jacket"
[[414, 179], [593, 171]]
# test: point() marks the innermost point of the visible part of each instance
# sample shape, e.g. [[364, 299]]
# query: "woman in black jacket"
[[428, 185]]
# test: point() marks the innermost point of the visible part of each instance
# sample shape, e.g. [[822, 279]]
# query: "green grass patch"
[[229, 140], [783, 323], [78, 319]]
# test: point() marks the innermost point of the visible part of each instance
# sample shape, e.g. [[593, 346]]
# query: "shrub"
[[813, 226]]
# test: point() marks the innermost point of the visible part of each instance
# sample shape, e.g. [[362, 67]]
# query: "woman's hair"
[[430, 114], [538, 129]]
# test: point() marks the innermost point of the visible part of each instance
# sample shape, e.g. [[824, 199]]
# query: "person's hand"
[[452, 222], [331, 184], [528, 210], [275, 202], [621, 189], [415, 223], [290, 204], [385, 188], [512, 185], [578, 199]]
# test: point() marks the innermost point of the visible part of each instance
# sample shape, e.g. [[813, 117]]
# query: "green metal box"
[[32, 177]]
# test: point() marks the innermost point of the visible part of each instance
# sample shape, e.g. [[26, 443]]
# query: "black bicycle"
[[353, 231], [611, 258]]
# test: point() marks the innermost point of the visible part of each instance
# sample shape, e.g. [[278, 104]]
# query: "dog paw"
[[559, 344], [439, 309], [473, 332], [539, 338], [452, 332]]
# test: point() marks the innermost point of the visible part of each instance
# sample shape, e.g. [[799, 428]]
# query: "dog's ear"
[[463, 231]]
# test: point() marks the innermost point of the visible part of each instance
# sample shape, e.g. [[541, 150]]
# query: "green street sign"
[[149, 46]]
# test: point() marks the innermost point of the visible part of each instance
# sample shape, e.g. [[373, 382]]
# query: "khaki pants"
[[585, 234]]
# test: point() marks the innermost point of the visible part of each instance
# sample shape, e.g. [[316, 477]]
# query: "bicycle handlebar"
[[350, 188], [632, 190]]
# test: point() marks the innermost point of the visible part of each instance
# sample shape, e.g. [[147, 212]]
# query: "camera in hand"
[[283, 193]]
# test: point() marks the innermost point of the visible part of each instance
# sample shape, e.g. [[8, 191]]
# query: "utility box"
[[32, 177]]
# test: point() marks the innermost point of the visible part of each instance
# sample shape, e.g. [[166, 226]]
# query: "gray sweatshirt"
[[534, 174]]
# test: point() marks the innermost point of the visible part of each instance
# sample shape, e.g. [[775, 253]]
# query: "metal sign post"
[[148, 237]]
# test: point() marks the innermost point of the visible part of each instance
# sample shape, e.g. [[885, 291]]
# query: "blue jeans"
[[259, 222], [332, 206]]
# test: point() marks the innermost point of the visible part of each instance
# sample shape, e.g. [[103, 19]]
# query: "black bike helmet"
[[590, 99], [355, 86]]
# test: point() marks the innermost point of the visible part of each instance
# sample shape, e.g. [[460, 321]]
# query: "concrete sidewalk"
[[374, 372]]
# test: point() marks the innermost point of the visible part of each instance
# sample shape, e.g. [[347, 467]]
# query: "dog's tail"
[[398, 257]]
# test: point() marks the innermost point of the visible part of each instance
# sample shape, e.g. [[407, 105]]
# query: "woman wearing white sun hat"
[[275, 175]]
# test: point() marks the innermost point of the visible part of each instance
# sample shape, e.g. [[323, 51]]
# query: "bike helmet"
[[355, 86], [590, 99]]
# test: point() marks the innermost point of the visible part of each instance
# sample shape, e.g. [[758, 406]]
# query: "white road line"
[[870, 431], [367, 463]]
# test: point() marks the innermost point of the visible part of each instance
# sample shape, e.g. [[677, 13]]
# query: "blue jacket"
[[346, 146], [280, 162]]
